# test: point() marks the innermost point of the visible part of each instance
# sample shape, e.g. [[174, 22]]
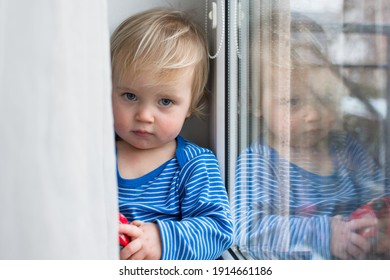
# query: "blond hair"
[[290, 48], [162, 42]]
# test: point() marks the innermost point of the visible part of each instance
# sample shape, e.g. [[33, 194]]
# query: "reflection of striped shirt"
[[282, 211], [186, 197]]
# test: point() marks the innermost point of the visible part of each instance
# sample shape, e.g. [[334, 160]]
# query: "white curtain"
[[57, 157]]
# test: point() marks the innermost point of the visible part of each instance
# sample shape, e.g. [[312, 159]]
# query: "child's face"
[[150, 115], [303, 116]]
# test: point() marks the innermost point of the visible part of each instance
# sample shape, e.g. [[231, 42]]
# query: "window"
[[308, 127]]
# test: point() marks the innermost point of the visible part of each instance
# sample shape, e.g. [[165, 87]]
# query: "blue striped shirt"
[[282, 211], [187, 198]]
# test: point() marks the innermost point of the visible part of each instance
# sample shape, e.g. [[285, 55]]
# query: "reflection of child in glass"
[[298, 185], [170, 190]]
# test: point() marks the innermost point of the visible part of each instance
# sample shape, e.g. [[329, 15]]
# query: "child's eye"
[[326, 99], [165, 102], [291, 102], [130, 96], [294, 101]]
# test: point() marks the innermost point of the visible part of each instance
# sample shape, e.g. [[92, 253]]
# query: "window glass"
[[308, 128]]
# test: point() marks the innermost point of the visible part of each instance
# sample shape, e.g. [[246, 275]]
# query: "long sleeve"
[[282, 211], [187, 198], [205, 229], [267, 223]]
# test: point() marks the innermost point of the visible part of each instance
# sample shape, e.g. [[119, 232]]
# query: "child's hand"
[[345, 242], [145, 246], [131, 231], [382, 244]]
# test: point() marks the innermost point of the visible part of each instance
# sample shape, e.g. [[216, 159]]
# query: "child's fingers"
[[358, 246], [137, 223], [130, 230], [383, 243], [132, 248], [358, 224], [354, 252], [139, 255]]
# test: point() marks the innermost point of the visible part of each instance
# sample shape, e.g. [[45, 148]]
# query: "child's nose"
[[144, 114], [312, 113]]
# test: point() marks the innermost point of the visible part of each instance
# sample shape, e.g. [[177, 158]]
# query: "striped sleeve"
[[282, 211], [205, 229], [369, 177], [264, 225]]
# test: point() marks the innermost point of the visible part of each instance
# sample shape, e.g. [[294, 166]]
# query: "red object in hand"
[[377, 208], [123, 239]]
